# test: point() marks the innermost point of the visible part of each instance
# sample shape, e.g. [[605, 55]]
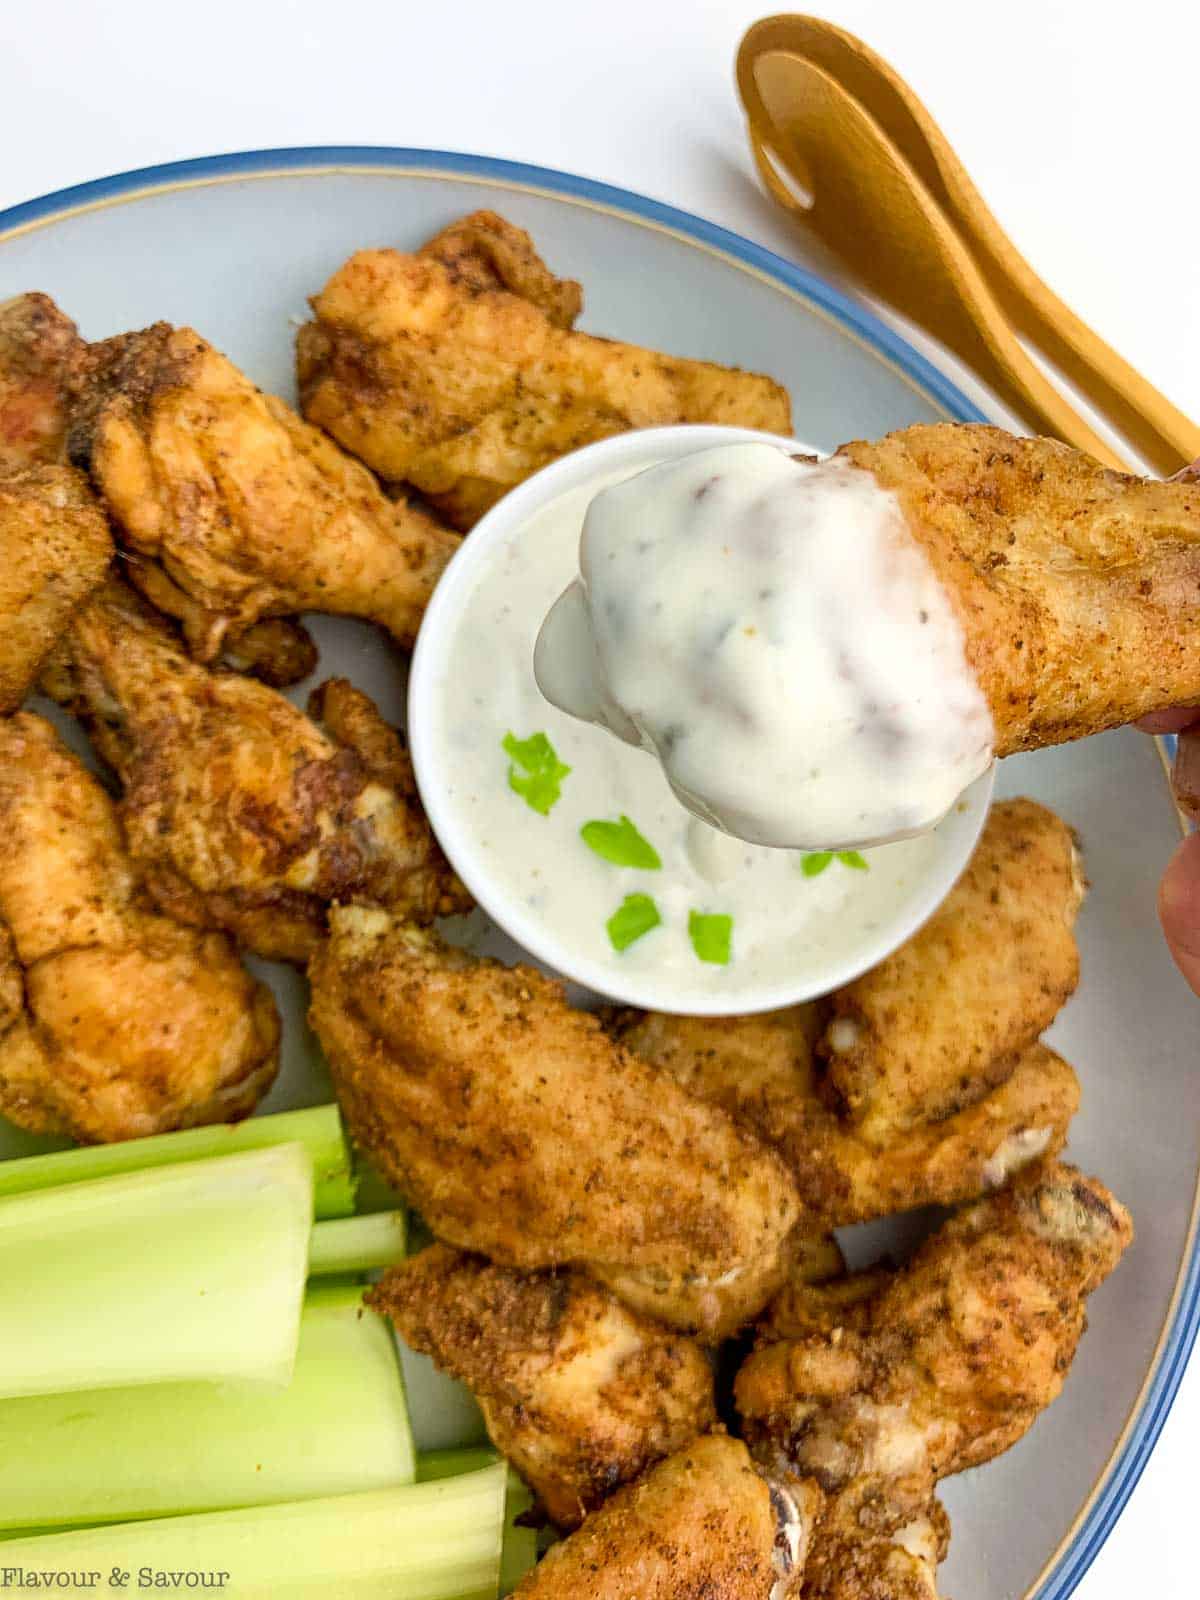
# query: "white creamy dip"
[[786, 918], [768, 627]]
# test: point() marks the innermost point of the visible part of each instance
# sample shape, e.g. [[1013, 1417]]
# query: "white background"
[[1077, 118]]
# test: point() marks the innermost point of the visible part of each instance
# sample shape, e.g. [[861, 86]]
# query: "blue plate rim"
[[1109, 1496]]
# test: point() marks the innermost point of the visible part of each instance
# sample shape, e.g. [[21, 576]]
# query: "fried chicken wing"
[[581, 1394], [941, 1020], [115, 1022], [1075, 585], [761, 1069], [870, 1546], [456, 368], [55, 548], [242, 813], [238, 509], [702, 1525], [40, 348], [521, 1131], [962, 1348]]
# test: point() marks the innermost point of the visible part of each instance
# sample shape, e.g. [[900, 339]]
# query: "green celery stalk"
[[435, 1464], [184, 1273], [520, 1549], [425, 1541], [319, 1129], [357, 1244], [340, 1427]]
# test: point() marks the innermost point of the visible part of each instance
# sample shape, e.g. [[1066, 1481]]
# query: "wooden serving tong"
[[890, 197]]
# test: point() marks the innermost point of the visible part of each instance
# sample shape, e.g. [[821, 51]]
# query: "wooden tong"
[[889, 196]]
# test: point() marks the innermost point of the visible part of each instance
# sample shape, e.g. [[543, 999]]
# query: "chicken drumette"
[[39, 350], [241, 811], [456, 368], [235, 508], [704, 1523], [521, 1131], [580, 1393], [115, 1022]]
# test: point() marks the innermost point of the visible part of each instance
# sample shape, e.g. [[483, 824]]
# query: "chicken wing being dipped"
[[241, 812], [939, 1022], [39, 349], [581, 1394], [521, 1131], [236, 508], [705, 1522], [962, 1347], [55, 548], [124, 1023], [456, 368], [762, 1070]]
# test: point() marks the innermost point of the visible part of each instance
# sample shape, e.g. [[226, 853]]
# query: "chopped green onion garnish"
[[711, 935], [813, 865], [851, 858], [636, 915], [621, 843], [540, 785]]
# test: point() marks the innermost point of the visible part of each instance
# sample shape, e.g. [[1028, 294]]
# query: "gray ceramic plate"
[[234, 244]]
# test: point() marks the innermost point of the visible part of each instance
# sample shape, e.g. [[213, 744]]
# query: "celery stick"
[[357, 1244], [173, 1274], [319, 1129], [519, 1551], [340, 1427], [435, 1464], [427, 1541]]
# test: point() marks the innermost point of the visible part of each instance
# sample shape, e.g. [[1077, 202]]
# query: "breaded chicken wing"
[[55, 548], [962, 1348], [581, 1394], [762, 1071], [520, 1130], [456, 368], [703, 1525], [938, 1022], [238, 509], [241, 812], [39, 350], [869, 1545], [124, 1023], [1075, 585]]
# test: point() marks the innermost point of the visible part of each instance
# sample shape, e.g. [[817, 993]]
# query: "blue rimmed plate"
[[234, 244]]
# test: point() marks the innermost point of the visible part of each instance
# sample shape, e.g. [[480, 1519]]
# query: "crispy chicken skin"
[[125, 1023], [962, 1348], [238, 509], [278, 651], [456, 368], [871, 1546], [39, 349], [761, 1069], [935, 1025], [520, 1130], [55, 548], [581, 1394], [241, 812], [1075, 585], [703, 1525]]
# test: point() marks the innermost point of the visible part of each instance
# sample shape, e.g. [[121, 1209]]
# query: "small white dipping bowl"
[[698, 989]]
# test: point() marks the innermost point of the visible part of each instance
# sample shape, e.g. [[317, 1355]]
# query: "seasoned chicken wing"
[[961, 1350], [581, 1394], [941, 1020], [456, 368], [238, 509], [703, 1525], [115, 1022], [242, 813], [872, 1545], [39, 350], [55, 548], [761, 1069], [520, 1130], [1075, 585]]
